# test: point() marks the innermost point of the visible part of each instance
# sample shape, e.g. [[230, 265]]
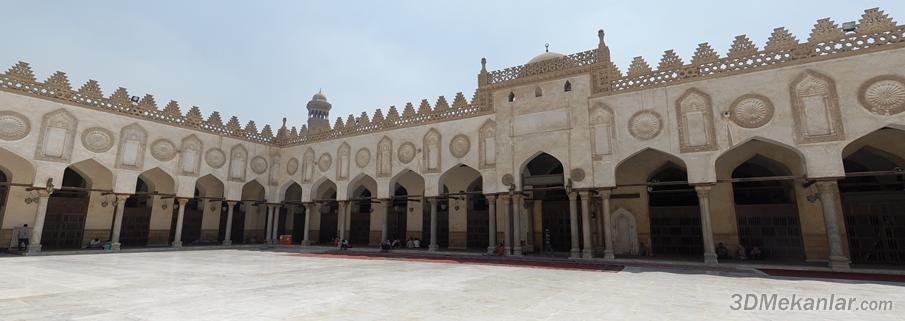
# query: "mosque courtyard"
[[237, 284]]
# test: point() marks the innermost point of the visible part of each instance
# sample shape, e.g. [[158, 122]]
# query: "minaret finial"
[[600, 35], [547, 47], [483, 64], [284, 121]]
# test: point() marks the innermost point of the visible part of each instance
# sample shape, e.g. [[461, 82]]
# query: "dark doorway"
[[137, 216], [397, 220], [360, 222], [542, 180], [873, 203], [64, 223], [675, 218], [766, 211], [477, 225], [442, 222]]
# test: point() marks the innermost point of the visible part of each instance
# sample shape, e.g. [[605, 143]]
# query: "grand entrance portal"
[[543, 184]]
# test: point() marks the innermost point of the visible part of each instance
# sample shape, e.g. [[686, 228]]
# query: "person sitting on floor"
[[385, 246], [756, 253], [410, 243], [417, 243], [721, 251], [741, 253], [344, 245], [500, 249], [94, 244]]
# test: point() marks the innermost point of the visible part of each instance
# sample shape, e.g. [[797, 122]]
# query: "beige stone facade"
[[566, 138]]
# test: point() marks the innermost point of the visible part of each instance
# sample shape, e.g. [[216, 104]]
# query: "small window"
[[538, 92], [567, 86], [511, 96]]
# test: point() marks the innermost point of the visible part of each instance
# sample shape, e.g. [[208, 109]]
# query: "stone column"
[[706, 229], [608, 235], [341, 220], [306, 237], [433, 244], [491, 224], [275, 229], [267, 224], [227, 237], [387, 205], [587, 251], [516, 223], [34, 243], [507, 222], [118, 222], [177, 239], [829, 194], [574, 252]]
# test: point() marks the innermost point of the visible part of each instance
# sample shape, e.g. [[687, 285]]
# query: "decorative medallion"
[[645, 124], [508, 180], [884, 95], [292, 166], [406, 152], [459, 146], [13, 125], [751, 111], [215, 157], [258, 165], [163, 150], [97, 139], [577, 174], [324, 162], [362, 157]]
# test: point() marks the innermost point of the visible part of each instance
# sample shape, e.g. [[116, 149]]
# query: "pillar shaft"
[[341, 220], [387, 207], [275, 229], [574, 252], [607, 224], [706, 229], [227, 236], [829, 194], [177, 238], [587, 251], [118, 222], [516, 223], [34, 244], [491, 224], [433, 244], [306, 236], [507, 223]]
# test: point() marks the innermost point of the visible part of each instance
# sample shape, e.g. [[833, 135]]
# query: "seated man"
[[721, 251], [94, 244]]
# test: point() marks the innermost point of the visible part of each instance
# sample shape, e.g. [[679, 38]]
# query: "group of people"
[[722, 252], [341, 244], [411, 243]]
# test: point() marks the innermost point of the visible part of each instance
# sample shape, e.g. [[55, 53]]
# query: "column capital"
[[490, 197], [826, 185], [505, 197], [122, 197], [584, 193], [231, 203], [386, 201], [703, 190], [572, 195], [605, 192], [431, 199], [182, 200]]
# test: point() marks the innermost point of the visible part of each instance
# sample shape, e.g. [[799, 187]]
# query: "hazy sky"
[[262, 60]]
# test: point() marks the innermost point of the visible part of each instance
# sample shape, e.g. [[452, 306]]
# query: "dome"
[[545, 56], [319, 96]]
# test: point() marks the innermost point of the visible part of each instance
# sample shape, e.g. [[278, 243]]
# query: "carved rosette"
[[258, 165], [751, 111], [163, 150], [884, 95], [362, 157], [459, 146], [292, 166], [577, 174], [13, 125], [645, 124], [215, 157], [97, 139], [507, 179], [406, 152], [324, 162]]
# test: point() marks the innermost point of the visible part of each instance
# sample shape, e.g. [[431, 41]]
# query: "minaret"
[[318, 113]]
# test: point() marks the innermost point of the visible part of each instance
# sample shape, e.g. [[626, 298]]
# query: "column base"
[[587, 253], [306, 242], [227, 242], [840, 263], [574, 254], [507, 250], [33, 249], [608, 255], [517, 250], [710, 258], [177, 244], [115, 246], [491, 250], [433, 248]]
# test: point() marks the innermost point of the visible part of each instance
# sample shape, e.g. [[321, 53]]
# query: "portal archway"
[[406, 220], [325, 196], [67, 224], [543, 183], [362, 191], [249, 217], [873, 197], [463, 226]]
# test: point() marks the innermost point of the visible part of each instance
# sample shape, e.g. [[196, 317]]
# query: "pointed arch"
[[159, 180], [790, 157], [603, 130], [323, 188], [16, 168], [131, 152], [625, 230], [638, 167], [292, 192], [308, 166], [210, 186], [238, 163], [95, 174], [410, 180], [190, 156], [362, 180], [487, 144], [385, 157], [343, 158], [511, 96], [458, 178], [57, 136], [567, 87], [538, 92], [888, 139], [815, 108]]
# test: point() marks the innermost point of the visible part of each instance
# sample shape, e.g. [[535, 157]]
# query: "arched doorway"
[[409, 207], [67, 209], [544, 185], [675, 218], [361, 195], [766, 210], [478, 229], [458, 223], [292, 200], [249, 216], [325, 196], [137, 216], [442, 221], [398, 215], [5, 182], [873, 198], [191, 220]]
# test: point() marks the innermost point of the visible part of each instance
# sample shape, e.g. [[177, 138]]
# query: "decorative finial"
[[284, 121], [600, 35], [483, 64], [547, 47]]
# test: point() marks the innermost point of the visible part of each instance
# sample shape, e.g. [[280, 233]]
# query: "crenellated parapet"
[[873, 32]]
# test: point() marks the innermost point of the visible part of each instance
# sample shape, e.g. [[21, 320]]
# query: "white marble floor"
[[253, 285]]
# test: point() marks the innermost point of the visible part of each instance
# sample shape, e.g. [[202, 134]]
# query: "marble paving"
[[260, 285]]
